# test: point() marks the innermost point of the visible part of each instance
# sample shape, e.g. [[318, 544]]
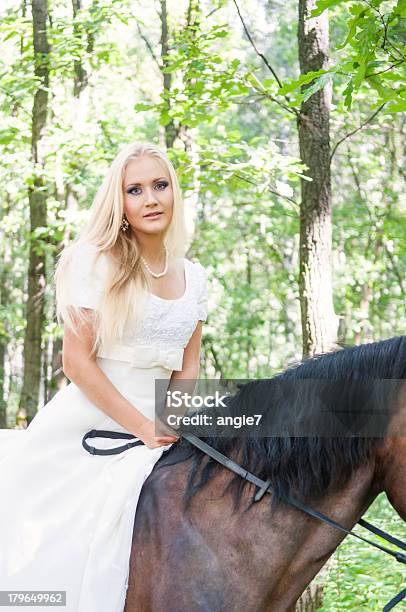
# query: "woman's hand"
[[146, 433]]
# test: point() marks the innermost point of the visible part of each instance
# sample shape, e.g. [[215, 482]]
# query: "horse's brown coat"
[[214, 560]]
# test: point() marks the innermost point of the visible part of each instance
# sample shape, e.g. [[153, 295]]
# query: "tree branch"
[[397, 63], [371, 118], [268, 65], [149, 46], [261, 55], [279, 195]]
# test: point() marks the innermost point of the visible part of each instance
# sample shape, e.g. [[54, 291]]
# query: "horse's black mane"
[[303, 467]]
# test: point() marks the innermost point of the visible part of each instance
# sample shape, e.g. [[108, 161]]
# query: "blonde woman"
[[132, 308]]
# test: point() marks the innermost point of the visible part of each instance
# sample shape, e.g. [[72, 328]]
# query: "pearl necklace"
[[154, 274]]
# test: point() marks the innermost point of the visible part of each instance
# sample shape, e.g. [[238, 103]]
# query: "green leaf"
[[140, 106], [347, 93], [318, 84], [304, 79], [399, 107], [323, 5], [254, 81], [360, 75], [353, 23], [7, 136], [400, 8], [377, 84]]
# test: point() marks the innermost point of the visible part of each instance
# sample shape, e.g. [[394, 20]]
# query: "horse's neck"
[[219, 556], [284, 549], [391, 459]]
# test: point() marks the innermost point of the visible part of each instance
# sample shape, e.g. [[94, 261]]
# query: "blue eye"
[[161, 184], [131, 190]]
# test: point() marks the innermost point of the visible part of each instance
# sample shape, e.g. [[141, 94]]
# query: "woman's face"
[[147, 191]]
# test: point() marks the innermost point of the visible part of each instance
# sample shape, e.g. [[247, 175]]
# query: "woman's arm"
[[82, 369], [191, 357], [185, 380]]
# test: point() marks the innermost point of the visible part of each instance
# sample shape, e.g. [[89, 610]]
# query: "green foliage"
[[208, 81], [315, 81], [359, 576], [372, 55], [236, 155]]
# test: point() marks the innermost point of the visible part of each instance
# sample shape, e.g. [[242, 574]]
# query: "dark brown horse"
[[200, 545]]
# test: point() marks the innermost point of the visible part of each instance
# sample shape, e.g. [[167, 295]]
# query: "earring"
[[124, 225]]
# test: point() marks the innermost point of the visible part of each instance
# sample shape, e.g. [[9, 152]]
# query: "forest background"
[[286, 123]]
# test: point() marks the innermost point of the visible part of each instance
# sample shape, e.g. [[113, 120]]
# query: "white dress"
[[66, 516]]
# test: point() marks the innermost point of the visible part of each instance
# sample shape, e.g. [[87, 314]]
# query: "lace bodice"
[[170, 323], [165, 323]]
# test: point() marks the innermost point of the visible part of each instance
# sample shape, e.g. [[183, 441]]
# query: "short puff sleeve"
[[202, 294], [87, 277]]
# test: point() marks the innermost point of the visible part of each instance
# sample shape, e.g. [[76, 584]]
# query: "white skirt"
[[66, 516]]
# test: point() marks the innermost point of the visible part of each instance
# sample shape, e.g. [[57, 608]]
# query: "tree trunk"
[[170, 130], [5, 298], [188, 134], [38, 217], [80, 75], [319, 321], [4, 301], [66, 194]]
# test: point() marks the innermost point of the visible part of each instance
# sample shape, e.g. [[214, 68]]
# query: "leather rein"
[[264, 486]]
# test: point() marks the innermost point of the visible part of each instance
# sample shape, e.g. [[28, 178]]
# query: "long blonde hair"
[[126, 290]]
